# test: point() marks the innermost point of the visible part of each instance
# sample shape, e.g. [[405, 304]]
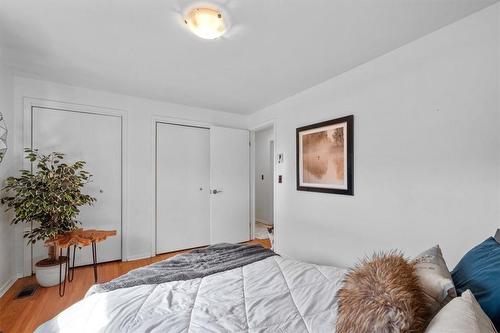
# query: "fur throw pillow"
[[382, 295]]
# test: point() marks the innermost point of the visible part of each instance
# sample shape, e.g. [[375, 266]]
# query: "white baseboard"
[[6, 286], [264, 221], [137, 257]]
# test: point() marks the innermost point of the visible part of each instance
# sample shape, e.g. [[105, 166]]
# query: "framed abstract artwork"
[[325, 156]]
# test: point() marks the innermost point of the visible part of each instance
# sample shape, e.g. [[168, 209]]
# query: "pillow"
[[479, 271], [462, 314], [382, 295], [435, 278]]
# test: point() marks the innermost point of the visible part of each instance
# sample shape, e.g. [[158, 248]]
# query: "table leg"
[[71, 269], [61, 276], [94, 259]]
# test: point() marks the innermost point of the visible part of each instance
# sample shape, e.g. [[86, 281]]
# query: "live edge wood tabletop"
[[79, 237]]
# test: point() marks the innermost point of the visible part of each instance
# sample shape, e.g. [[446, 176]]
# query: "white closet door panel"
[[182, 187], [96, 139], [230, 174]]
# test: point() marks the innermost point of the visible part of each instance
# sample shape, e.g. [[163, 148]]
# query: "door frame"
[[268, 124], [28, 104], [174, 121]]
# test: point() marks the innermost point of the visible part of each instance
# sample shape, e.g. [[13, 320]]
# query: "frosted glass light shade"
[[206, 23]]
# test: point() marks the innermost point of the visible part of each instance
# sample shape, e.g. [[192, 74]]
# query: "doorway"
[[264, 163]]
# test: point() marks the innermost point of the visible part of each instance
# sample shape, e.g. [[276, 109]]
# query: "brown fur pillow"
[[382, 295]]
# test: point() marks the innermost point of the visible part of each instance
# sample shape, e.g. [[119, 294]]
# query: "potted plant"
[[50, 197]]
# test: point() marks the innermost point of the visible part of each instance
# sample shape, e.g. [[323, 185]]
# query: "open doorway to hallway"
[[263, 183]]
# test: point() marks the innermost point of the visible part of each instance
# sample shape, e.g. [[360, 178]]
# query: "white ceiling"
[[274, 48]]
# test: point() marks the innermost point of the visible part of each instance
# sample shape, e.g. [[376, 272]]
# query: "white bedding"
[[271, 295]]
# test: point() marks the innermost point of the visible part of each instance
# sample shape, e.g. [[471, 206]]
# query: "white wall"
[[426, 166], [427, 157], [139, 114], [263, 187], [7, 168]]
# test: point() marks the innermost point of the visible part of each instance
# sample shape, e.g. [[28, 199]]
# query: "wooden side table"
[[80, 238]]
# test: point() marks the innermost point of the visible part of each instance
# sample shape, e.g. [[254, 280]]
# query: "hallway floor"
[[261, 230]]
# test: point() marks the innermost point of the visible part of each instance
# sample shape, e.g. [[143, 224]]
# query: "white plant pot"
[[48, 276]]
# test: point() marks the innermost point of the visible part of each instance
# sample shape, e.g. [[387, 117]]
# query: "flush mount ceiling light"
[[206, 23]]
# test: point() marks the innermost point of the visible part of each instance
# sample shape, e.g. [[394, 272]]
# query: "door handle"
[[216, 191]]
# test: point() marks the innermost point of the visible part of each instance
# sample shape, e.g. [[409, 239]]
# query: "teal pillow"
[[479, 271]]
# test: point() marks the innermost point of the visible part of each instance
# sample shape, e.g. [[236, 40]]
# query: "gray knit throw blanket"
[[195, 264]]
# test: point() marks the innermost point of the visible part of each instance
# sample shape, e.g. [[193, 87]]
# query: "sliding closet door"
[[96, 139], [230, 170], [182, 187]]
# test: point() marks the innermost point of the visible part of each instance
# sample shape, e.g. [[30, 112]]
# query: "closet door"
[[97, 140], [230, 200], [182, 187]]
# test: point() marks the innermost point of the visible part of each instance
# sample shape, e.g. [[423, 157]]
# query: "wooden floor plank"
[[26, 314]]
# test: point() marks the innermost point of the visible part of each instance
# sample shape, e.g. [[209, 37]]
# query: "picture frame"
[[325, 156]]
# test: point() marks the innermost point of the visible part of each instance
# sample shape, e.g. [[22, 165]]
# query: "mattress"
[[271, 295]]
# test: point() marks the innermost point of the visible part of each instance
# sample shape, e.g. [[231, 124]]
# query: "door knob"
[[216, 191]]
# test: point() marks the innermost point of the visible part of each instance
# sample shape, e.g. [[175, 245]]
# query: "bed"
[[274, 294], [246, 288]]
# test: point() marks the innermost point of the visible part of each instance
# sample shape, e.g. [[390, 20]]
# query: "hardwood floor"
[[26, 314]]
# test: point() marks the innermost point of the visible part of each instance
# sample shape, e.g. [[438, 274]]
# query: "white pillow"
[[462, 314], [435, 278]]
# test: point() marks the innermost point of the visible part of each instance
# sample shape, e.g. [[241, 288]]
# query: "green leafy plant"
[[50, 196]]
